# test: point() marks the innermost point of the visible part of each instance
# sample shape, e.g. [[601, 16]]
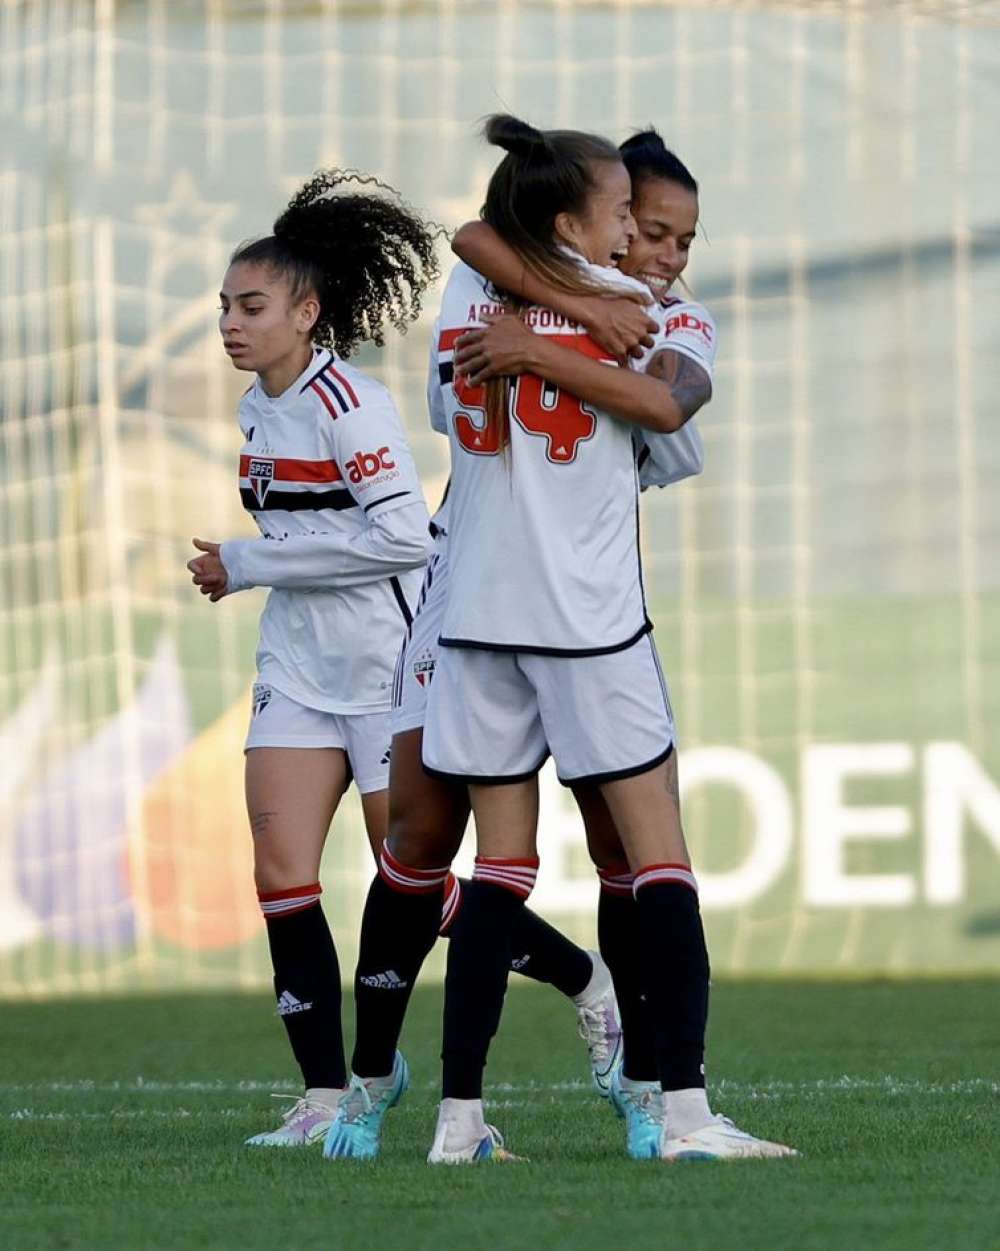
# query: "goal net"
[[826, 594]]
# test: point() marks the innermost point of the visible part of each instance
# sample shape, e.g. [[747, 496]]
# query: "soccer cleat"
[[721, 1140], [463, 1137], [305, 1122], [641, 1104], [357, 1129], [600, 1028]]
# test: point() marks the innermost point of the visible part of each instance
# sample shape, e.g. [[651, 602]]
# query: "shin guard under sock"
[[675, 971], [399, 927], [478, 963], [618, 939], [306, 982]]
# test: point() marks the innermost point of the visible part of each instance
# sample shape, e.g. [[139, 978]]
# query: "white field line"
[[820, 1088]]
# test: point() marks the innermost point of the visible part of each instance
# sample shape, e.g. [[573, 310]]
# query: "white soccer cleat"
[[600, 1026], [306, 1122], [463, 1137], [721, 1140]]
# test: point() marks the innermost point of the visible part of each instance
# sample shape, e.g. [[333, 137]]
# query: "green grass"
[[121, 1125]]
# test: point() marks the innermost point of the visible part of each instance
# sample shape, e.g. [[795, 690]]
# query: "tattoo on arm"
[[690, 386]]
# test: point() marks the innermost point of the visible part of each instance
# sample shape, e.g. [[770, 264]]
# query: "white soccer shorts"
[[277, 721], [493, 717], [418, 656]]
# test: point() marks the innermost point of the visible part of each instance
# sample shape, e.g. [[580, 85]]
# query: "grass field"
[[122, 1122]]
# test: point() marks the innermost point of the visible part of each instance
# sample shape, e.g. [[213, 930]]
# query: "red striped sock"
[[399, 876], [680, 873], [282, 903], [616, 880], [452, 903], [515, 875]]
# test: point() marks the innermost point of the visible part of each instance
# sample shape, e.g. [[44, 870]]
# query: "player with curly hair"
[[326, 473]]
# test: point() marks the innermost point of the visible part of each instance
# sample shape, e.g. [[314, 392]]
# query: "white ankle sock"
[[685, 1111], [328, 1095], [464, 1122], [599, 984]]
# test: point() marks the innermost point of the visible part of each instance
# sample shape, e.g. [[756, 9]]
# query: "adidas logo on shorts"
[[390, 980], [288, 1005]]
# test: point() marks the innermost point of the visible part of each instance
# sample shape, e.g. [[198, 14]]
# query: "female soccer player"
[[327, 475], [545, 645], [428, 815]]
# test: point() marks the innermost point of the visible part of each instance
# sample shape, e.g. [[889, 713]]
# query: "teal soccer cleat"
[[356, 1131], [641, 1104]]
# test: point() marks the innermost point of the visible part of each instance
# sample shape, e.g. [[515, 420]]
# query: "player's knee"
[[276, 867], [419, 842]]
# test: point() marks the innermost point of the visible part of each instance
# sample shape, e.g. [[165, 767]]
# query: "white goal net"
[[827, 595]]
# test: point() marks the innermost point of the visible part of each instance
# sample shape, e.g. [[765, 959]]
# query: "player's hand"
[[621, 326], [208, 572], [503, 346]]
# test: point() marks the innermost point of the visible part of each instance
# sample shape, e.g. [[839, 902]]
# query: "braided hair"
[[367, 257]]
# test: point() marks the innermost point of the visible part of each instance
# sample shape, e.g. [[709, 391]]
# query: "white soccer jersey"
[[687, 328], [327, 474], [544, 534]]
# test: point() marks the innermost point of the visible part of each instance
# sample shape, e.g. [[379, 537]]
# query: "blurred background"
[[827, 594]]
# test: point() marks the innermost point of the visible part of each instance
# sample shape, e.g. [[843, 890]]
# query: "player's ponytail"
[[503, 130], [367, 257], [646, 156]]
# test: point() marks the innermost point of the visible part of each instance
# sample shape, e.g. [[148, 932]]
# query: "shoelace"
[[357, 1103], [593, 1029], [647, 1103], [302, 1106]]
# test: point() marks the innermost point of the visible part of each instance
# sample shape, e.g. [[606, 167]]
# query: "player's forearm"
[[394, 543], [481, 247], [638, 398]]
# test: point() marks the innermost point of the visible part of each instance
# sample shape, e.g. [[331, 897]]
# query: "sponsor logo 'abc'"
[[369, 464], [685, 321]]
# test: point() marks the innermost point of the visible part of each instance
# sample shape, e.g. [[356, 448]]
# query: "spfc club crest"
[[261, 698], [423, 668], [261, 476]]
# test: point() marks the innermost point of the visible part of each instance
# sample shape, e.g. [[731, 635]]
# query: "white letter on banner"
[[764, 790], [828, 823], [954, 783]]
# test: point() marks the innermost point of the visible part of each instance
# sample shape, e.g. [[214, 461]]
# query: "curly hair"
[[368, 258]]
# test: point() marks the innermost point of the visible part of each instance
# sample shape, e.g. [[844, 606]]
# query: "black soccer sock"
[[399, 927], [539, 950], [478, 963], [675, 971], [306, 982], [618, 939]]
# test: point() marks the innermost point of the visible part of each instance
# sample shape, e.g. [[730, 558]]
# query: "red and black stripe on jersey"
[[304, 484], [333, 389]]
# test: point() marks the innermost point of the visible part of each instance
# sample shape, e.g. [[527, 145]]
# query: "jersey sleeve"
[[435, 400], [666, 458], [689, 329], [374, 457]]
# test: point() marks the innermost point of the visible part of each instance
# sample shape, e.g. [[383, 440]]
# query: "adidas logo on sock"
[[288, 1004], [519, 963], [390, 980]]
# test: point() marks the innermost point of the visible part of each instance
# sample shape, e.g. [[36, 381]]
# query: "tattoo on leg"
[[260, 821]]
